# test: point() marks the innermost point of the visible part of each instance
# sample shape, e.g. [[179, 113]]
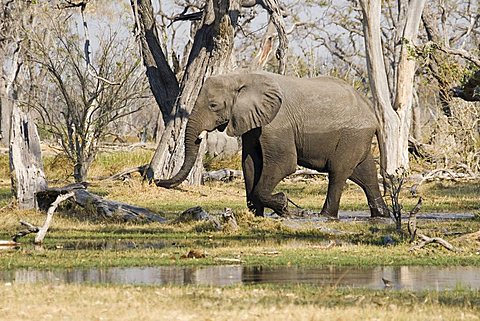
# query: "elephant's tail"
[[381, 148]]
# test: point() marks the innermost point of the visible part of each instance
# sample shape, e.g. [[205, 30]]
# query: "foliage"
[[76, 99]]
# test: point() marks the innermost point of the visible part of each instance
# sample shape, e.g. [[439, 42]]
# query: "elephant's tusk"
[[203, 134]]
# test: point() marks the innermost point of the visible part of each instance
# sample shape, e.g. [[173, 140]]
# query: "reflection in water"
[[403, 277]]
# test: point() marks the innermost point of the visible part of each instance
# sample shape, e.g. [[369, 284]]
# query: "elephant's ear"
[[257, 103]]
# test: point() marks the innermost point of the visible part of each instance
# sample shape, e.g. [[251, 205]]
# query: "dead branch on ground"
[[427, 240], [126, 173], [42, 231], [30, 229], [446, 174], [104, 209], [412, 231]]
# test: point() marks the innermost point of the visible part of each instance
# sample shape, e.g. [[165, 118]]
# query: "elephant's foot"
[[256, 208], [280, 204], [277, 202], [379, 209], [329, 214]]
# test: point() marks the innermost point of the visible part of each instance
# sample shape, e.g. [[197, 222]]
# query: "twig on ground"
[[30, 229]]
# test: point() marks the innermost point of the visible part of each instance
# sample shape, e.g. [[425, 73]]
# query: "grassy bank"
[[358, 242], [77, 240]]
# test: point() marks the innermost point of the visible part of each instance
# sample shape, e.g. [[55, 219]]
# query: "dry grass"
[[72, 302]]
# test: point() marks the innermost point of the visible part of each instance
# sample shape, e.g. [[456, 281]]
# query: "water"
[[404, 277]]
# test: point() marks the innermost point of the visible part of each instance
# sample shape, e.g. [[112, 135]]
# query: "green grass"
[[251, 254], [358, 243]]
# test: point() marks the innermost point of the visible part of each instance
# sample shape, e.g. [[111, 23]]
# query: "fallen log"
[[105, 209], [225, 175], [126, 173]]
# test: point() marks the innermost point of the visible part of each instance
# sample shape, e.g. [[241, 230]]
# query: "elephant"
[[319, 123]]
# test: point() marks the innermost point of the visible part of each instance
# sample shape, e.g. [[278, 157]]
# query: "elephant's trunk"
[[193, 138]]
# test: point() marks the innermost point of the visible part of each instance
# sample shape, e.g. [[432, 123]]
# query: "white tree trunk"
[[5, 113], [395, 119], [26, 169]]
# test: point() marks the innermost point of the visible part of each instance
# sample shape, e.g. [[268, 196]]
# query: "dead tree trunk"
[[26, 168], [5, 112], [394, 117], [209, 54], [104, 209]]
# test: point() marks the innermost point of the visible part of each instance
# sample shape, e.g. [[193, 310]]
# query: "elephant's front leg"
[[277, 202], [279, 159], [259, 184], [252, 166]]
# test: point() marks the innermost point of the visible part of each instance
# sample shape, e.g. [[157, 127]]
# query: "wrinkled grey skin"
[[320, 123]]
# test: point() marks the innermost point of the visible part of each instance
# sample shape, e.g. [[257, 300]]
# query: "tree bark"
[[395, 119], [26, 168], [161, 77], [438, 58], [5, 112], [211, 54], [273, 8]]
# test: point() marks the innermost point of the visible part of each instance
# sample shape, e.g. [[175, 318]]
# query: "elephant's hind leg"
[[365, 175], [336, 182]]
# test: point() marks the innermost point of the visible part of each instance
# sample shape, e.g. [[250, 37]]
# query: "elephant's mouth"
[[222, 127]]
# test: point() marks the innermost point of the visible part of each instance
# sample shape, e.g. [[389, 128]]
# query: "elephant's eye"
[[214, 106]]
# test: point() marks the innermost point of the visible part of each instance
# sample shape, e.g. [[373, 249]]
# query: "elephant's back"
[[329, 102]]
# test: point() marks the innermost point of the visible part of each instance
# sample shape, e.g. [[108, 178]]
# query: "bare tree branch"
[[276, 17]]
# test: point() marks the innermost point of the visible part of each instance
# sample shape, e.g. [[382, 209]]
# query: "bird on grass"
[[387, 283]]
